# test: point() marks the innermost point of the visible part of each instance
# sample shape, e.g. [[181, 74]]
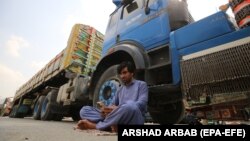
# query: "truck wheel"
[[38, 107], [48, 103], [57, 117], [13, 112], [170, 113], [17, 111], [75, 116], [107, 86]]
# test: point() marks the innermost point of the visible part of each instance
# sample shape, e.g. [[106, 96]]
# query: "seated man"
[[128, 106]]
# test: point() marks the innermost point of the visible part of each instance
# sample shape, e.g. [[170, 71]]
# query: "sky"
[[32, 32]]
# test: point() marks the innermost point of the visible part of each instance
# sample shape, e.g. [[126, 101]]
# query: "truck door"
[[111, 35], [147, 29]]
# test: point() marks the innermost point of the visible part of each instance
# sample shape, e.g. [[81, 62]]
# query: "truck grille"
[[225, 71]]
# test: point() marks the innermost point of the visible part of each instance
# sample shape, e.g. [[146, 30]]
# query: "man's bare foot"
[[85, 124], [89, 124], [80, 125]]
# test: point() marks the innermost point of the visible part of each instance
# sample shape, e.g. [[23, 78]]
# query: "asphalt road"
[[27, 129]]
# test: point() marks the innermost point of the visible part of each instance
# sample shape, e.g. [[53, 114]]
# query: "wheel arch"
[[117, 54]]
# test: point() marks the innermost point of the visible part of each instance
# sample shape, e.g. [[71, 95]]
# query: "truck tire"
[[48, 103], [75, 114], [38, 107], [57, 117], [106, 86], [170, 113], [15, 113]]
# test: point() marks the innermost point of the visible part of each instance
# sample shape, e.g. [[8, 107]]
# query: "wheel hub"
[[108, 91]]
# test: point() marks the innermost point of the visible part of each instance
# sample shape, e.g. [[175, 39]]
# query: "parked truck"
[[204, 64], [55, 91], [5, 106]]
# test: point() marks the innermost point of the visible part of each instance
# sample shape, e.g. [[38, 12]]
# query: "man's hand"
[[106, 110], [224, 7]]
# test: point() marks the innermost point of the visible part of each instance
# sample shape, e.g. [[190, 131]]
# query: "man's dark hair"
[[125, 64]]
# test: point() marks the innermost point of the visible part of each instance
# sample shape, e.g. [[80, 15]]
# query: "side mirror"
[[147, 9]]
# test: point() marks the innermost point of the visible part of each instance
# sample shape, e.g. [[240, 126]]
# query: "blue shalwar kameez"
[[131, 100]]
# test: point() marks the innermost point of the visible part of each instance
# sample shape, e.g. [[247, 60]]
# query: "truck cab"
[[145, 22]]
